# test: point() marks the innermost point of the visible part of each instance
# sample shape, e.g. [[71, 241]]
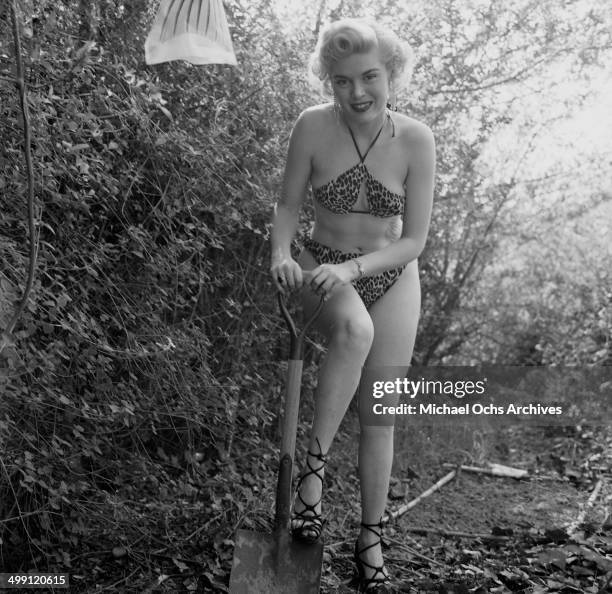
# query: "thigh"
[[395, 317], [344, 305]]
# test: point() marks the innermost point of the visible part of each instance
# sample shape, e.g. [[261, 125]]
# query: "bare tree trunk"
[[6, 337], [319, 18]]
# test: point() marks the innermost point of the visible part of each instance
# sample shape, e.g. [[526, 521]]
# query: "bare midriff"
[[354, 232]]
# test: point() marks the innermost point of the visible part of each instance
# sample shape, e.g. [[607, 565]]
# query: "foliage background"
[[142, 391]]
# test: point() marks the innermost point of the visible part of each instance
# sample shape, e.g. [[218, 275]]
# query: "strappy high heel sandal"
[[379, 581], [307, 523]]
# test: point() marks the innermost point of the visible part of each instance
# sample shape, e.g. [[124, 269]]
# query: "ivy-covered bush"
[[153, 188]]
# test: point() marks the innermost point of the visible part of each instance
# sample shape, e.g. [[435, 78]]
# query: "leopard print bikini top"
[[340, 194]]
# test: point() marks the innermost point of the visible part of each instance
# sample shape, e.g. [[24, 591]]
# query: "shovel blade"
[[267, 564]]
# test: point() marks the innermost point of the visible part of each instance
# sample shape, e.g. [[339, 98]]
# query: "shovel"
[[276, 563]]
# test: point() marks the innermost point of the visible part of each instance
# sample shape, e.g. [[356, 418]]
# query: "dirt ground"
[[481, 533]]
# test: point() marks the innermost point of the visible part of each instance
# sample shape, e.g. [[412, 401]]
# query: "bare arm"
[[285, 270]]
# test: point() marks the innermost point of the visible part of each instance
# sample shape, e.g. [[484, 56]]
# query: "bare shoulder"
[[415, 134], [313, 122], [318, 114]]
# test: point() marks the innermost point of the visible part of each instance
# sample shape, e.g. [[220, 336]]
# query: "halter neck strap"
[[363, 157]]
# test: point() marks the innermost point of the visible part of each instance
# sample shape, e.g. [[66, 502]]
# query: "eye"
[[372, 76], [340, 82]]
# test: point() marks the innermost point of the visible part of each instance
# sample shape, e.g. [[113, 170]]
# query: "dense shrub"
[[154, 186]]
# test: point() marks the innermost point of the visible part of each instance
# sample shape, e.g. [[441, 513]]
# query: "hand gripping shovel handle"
[[292, 405]]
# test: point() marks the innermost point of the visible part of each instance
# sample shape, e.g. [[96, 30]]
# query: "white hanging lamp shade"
[[192, 30]]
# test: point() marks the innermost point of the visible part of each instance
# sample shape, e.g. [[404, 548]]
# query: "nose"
[[357, 90]]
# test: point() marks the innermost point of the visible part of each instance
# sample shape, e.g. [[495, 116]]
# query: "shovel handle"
[[296, 347], [290, 416]]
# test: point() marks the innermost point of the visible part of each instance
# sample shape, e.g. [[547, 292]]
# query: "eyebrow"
[[369, 71]]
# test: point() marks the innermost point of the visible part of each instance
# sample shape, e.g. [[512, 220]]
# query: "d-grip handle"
[[296, 345]]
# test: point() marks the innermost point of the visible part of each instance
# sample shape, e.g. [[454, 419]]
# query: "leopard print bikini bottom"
[[369, 288]]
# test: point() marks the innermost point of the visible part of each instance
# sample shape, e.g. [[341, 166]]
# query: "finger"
[[291, 280], [299, 277], [323, 279], [328, 285], [316, 281], [318, 275], [279, 281]]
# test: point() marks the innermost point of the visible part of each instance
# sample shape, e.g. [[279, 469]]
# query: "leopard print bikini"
[[339, 196], [369, 288]]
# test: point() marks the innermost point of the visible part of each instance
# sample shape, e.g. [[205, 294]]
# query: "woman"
[[371, 173]]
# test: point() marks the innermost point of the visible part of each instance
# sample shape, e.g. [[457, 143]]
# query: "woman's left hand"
[[326, 277]]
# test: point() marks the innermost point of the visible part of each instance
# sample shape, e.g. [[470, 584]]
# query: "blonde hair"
[[345, 37]]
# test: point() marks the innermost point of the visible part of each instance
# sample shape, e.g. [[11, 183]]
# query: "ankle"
[[316, 454], [366, 538], [316, 463], [370, 548], [370, 534]]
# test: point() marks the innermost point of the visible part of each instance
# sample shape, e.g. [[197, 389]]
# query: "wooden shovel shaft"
[[287, 450], [292, 407], [291, 413]]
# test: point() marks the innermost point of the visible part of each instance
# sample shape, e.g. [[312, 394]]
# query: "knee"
[[355, 334]]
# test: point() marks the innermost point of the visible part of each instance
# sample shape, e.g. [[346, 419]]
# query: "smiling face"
[[360, 83]]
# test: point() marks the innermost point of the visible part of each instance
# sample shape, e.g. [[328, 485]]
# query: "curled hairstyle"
[[345, 37]]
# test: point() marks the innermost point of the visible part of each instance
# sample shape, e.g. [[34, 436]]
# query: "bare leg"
[[347, 325], [395, 317]]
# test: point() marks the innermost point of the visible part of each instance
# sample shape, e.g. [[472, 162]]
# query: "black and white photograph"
[[306, 297]]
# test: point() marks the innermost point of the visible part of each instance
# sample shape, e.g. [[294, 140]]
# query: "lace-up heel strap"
[[318, 455], [376, 529], [307, 523], [379, 580], [317, 471]]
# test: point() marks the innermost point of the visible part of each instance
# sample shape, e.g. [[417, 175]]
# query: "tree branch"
[[6, 338]]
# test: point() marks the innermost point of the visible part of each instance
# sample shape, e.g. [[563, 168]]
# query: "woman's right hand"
[[286, 274]]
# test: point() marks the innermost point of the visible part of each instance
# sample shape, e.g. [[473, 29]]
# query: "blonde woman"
[[371, 171]]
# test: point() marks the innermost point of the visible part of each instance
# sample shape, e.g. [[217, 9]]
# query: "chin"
[[370, 115]]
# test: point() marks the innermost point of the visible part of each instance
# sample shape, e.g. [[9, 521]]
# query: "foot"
[[306, 521], [373, 576]]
